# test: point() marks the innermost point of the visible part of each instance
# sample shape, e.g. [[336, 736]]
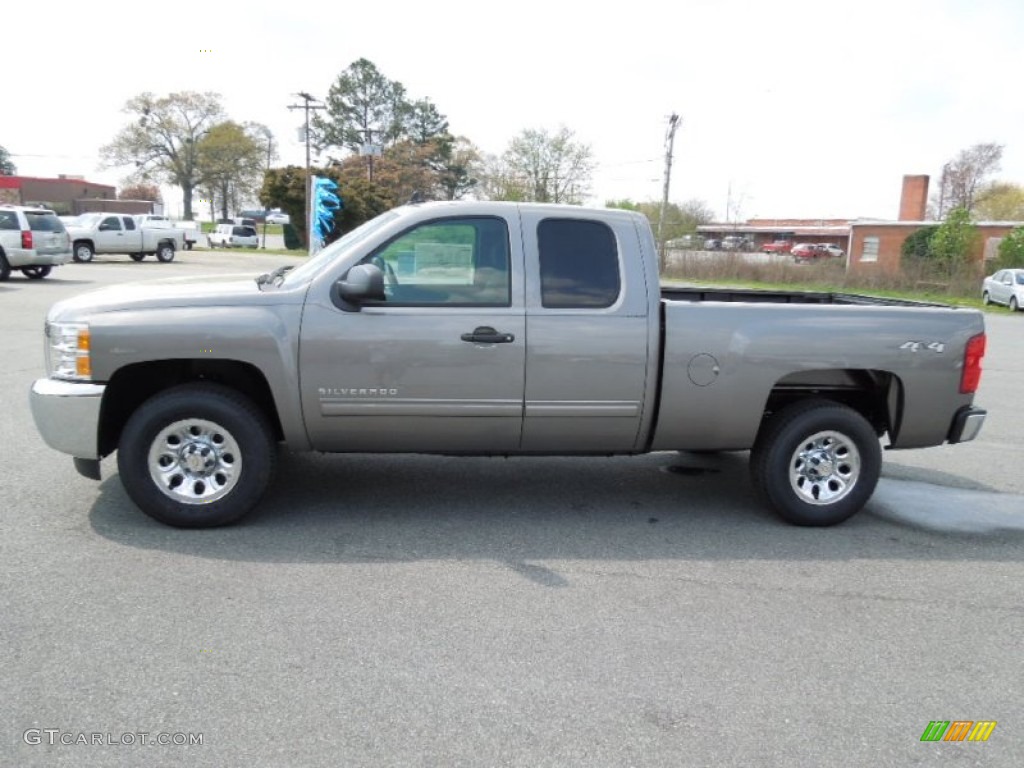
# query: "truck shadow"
[[366, 509]]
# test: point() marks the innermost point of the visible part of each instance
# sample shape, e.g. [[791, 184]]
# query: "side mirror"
[[363, 282]]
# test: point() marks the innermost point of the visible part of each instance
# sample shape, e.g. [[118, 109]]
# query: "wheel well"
[[134, 384], [875, 395]]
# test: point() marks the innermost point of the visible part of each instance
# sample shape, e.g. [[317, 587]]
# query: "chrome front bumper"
[[67, 415]]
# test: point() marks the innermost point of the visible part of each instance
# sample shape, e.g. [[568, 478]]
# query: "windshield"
[[1020, 278], [314, 264], [88, 219]]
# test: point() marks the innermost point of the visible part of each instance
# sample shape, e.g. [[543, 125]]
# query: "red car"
[[807, 252], [779, 246]]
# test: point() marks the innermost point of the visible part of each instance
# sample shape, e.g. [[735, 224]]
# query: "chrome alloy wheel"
[[195, 461], [824, 468]]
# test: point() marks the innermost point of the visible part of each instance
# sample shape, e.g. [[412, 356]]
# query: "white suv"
[[233, 236], [33, 240]]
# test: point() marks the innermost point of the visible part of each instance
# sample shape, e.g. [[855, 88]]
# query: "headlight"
[[67, 351]]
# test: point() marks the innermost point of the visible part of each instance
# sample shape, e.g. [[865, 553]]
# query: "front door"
[[110, 235], [438, 365]]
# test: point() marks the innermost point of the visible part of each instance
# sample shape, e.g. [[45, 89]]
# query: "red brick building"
[[875, 245], [67, 195]]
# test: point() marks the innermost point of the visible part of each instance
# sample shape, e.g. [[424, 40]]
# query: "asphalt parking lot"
[[424, 611]]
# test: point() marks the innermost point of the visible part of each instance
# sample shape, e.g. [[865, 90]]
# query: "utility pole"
[[670, 137], [307, 107], [270, 150]]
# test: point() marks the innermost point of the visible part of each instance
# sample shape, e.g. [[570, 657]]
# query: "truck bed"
[[748, 295]]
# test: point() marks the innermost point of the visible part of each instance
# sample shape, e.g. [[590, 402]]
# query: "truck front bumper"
[[67, 415], [966, 424]]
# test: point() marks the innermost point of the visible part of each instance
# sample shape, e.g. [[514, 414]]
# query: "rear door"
[[48, 234], [589, 333]]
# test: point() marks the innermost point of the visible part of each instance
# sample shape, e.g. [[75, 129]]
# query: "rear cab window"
[[579, 264]]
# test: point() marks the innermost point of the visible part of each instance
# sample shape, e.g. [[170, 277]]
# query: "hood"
[[205, 291]]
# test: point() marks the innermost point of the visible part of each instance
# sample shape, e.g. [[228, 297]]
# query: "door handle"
[[487, 335]]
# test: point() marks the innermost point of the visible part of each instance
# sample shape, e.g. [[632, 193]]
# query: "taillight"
[[970, 377], [26, 238]]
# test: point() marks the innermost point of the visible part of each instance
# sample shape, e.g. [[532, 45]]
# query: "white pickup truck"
[[102, 232]]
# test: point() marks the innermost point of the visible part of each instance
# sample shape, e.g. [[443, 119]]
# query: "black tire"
[[165, 252], [5, 268], [985, 298], [212, 425], [802, 440], [1013, 304], [36, 273], [188, 245], [137, 256], [83, 253]]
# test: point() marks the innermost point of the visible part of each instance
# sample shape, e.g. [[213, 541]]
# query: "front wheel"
[[196, 456], [165, 252], [35, 273], [986, 299], [5, 268], [137, 256], [83, 253], [816, 463], [1013, 304]]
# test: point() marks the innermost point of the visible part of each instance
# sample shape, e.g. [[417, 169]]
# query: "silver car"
[[1004, 287], [32, 240]]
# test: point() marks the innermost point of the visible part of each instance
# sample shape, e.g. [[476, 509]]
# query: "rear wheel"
[[35, 273], [196, 456], [83, 252], [816, 463], [165, 252]]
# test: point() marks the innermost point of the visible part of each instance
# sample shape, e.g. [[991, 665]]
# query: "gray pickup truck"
[[487, 328]]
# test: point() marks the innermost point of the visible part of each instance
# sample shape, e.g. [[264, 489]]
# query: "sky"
[[789, 109]]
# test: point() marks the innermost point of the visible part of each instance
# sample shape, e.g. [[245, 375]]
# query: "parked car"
[[1004, 287], [233, 236], [777, 246], [737, 243], [254, 216], [712, 244], [276, 217], [833, 251], [32, 240], [804, 252], [112, 232]]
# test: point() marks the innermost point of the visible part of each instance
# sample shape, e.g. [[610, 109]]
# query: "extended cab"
[[493, 328], [94, 233]]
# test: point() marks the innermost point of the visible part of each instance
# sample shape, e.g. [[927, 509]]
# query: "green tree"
[[543, 167], [1000, 201], [364, 106], [457, 164], [163, 138], [954, 240], [1011, 250], [918, 245], [231, 162], [7, 167]]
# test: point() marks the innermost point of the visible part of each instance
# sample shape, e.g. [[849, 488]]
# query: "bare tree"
[[541, 167], [163, 137], [963, 178]]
